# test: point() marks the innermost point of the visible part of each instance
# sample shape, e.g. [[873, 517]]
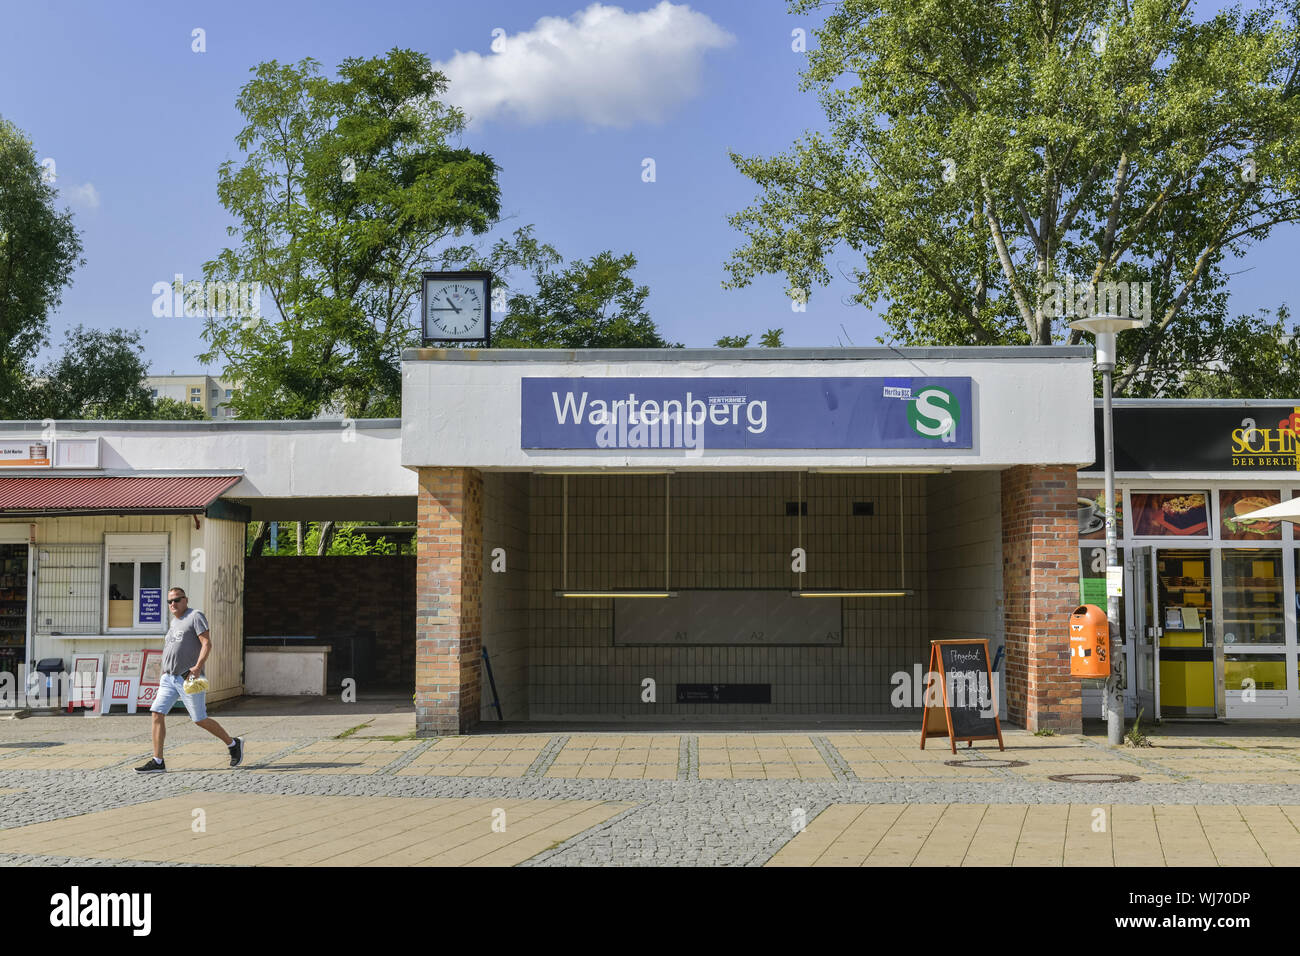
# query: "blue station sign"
[[748, 413]]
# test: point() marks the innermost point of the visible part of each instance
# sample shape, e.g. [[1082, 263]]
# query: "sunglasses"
[[175, 600]]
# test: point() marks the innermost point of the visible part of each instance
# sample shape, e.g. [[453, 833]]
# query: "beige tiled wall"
[[505, 594], [965, 556], [724, 530]]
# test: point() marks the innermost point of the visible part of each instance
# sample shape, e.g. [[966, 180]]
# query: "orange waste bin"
[[1089, 642]]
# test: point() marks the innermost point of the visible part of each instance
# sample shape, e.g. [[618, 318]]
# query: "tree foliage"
[[342, 539], [978, 151], [346, 188], [99, 375], [771, 339], [39, 249], [591, 304]]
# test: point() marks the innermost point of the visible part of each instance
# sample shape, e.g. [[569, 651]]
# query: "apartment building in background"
[[211, 394]]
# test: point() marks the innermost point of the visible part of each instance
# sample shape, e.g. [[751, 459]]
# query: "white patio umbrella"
[[1286, 511]]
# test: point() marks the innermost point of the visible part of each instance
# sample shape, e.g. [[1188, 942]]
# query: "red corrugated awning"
[[134, 494]]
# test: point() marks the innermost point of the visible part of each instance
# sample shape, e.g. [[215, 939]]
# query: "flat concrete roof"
[[979, 352], [93, 425]]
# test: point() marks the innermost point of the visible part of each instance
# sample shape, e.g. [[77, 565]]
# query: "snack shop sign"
[[1209, 438], [748, 413]]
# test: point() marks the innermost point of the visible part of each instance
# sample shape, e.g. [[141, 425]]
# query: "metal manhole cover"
[[990, 764], [1093, 778], [32, 744]]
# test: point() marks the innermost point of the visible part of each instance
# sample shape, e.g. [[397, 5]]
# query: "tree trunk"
[[261, 534], [326, 537], [302, 534]]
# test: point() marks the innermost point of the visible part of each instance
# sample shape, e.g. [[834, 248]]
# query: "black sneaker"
[[152, 767], [236, 752]]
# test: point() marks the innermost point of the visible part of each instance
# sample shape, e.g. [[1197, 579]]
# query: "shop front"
[[1209, 607], [721, 535], [97, 524]]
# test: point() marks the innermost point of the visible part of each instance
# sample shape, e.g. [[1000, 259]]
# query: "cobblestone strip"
[[547, 757], [834, 759], [716, 826], [688, 757], [1130, 754], [407, 757], [591, 832]]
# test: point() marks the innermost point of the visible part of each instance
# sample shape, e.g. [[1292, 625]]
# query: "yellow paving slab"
[[1042, 836], [1275, 833], [951, 837], [1230, 836], [285, 830], [1183, 838], [1046, 835], [994, 843], [1088, 840], [1135, 839]]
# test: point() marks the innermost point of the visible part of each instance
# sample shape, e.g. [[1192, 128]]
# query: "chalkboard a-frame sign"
[[969, 711]]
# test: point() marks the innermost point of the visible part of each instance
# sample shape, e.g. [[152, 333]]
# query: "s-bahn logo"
[[934, 412], [1255, 447]]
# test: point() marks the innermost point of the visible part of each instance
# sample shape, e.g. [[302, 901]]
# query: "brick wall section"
[[448, 601], [337, 596], [1040, 575]]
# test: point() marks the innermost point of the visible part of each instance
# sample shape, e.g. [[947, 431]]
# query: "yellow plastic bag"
[[196, 685]]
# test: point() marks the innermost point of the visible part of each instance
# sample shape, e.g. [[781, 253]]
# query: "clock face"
[[455, 308]]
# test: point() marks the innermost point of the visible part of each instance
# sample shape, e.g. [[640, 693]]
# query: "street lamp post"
[[1106, 328]]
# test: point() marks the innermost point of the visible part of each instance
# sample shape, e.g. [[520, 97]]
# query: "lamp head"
[[1105, 328]]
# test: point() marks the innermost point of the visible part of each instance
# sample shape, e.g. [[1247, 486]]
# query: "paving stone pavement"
[[722, 798]]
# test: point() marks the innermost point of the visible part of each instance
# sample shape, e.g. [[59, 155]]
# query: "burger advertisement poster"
[[1234, 504]]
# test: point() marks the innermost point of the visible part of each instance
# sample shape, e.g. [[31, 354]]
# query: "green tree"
[[99, 375], [1256, 357], [592, 304], [174, 410], [39, 249], [771, 339], [347, 187], [977, 152], [342, 539]]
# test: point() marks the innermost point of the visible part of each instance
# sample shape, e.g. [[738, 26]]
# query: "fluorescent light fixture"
[[616, 594], [851, 594], [882, 470], [614, 470]]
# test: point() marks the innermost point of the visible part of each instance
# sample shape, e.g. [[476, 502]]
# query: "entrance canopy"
[[940, 409]]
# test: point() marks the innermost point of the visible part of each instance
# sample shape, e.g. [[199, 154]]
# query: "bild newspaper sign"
[[746, 413]]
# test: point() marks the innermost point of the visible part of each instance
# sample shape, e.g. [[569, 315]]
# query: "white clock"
[[457, 307]]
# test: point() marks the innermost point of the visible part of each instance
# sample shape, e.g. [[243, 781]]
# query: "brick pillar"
[[1040, 580], [448, 601]]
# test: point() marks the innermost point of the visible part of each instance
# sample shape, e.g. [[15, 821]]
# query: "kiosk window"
[[134, 581]]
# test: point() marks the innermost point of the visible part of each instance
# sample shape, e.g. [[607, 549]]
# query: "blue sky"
[[137, 123]]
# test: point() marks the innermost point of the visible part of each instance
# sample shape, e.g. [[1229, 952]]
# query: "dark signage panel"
[[970, 699], [1244, 438], [724, 693]]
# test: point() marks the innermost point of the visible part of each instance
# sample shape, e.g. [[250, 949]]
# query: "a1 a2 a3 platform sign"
[[748, 413]]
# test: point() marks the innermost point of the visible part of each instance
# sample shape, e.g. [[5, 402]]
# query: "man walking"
[[186, 648]]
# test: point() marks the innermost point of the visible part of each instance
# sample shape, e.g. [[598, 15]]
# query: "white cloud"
[[603, 65], [84, 195]]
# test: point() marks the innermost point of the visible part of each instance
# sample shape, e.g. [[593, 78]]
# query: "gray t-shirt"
[[182, 646]]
